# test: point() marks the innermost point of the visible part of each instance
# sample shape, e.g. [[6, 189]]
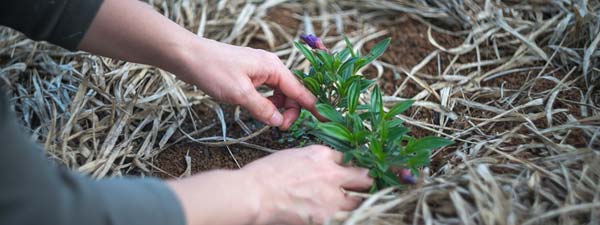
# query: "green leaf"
[[382, 166], [426, 143], [348, 156], [356, 122], [336, 130], [353, 95], [307, 53], [330, 77], [364, 84], [375, 53], [376, 107], [312, 85], [420, 159], [327, 60], [330, 113], [349, 46], [395, 123], [399, 108], [396, 160], [319, 77], [339, 145], [362, 107], [360, 137], [348, 65], [301, 75], [390, 179], [344, 54], [377, 149], [396, 133]]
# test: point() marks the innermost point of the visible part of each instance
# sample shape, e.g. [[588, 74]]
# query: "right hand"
[[295, 186], [301, 186]]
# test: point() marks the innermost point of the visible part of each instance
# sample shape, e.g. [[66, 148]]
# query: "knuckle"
[[336, 174], [243, 92], [265, 54], [322, 149]]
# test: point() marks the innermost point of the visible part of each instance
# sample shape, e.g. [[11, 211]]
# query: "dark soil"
[[409, 46], [172, 160]]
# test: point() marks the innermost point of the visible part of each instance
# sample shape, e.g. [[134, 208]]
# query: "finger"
[[291, 113], [336, 156], [350, 202], [357, 179], [285, 81], [262, 109]]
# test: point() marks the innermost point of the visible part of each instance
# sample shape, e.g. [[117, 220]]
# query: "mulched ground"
[[408, 47]]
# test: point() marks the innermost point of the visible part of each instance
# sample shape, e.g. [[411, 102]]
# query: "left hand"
[[231, 73], [127, 30]]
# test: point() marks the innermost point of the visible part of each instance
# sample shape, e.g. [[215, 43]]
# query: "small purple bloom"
[[313, 41], [407, 177]]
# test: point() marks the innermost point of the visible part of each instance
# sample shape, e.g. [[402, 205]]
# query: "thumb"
[[262, 109]]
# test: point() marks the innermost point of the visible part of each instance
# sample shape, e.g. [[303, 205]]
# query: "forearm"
[[224, 197], [131, 30]]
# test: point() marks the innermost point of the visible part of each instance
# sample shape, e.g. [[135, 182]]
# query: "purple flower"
[[407, 177], [313, 41]]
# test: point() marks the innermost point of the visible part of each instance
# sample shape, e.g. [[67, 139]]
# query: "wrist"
[[184, 55], [258, 211], [205, 196]]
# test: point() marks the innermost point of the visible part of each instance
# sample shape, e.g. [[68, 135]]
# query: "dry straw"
[[109, 118]]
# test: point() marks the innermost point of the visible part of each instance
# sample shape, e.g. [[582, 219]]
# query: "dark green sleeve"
[[61, 22], [37, 192]]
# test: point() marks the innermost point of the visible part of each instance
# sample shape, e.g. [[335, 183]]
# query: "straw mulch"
[[519, 96]]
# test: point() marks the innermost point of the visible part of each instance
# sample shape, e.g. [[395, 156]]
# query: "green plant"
[[368, 136]]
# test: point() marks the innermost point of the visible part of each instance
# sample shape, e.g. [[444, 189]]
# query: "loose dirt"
[[409, 47]]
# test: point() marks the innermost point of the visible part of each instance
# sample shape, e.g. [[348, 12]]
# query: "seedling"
[[368, 136]]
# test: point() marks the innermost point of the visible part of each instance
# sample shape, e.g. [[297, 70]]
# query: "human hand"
[[127, 30], [231, 73], [302, 186], [295, 186]]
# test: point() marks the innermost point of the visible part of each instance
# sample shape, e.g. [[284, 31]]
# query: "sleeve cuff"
[[74, 22]]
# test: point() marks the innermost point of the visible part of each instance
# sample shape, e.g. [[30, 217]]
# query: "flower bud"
[[313, 41], [407, 177]]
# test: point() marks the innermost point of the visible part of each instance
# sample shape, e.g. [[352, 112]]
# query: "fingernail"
[[276, 119]]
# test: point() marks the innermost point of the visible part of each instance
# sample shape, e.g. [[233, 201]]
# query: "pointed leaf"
[[343, 54], [390, 179], [349, 46], [420, 159], [326, 59], [353, 95], [399, 108], [376, 149], [396, 133], [357, 122], [339, 145], [312, 85], [307, 53], [336, 130], [375, 52], [348, 65], [330, 113], [301, 75], [426, 143], [395, 123], [376, 107]]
